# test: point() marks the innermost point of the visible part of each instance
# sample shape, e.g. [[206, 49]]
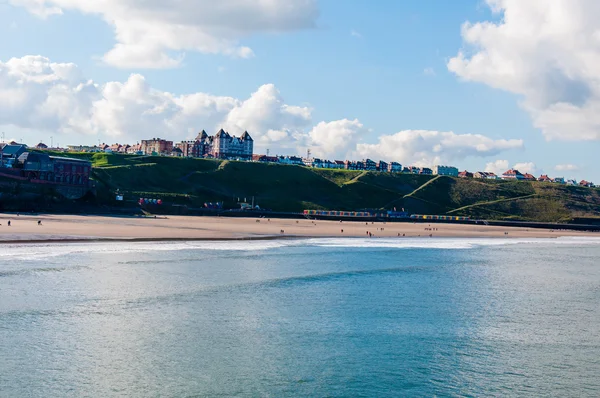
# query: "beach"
[[25, 228]]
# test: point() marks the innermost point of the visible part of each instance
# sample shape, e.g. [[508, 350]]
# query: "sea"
[[302, 318]]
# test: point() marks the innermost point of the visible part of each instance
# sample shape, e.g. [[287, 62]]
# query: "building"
[[10, 153], [265, 159], [156, 146], [572, 183], [426, 171], [529, 177], [316, 163], [544, 178], [293, 160], [352, 165], [585, 183], [395, 167], [338, 164], [53, 169], [558, 180], [115, 148], [224, 146], [445, 171], [41, 145], [512, 174], [176, 152], [135, 149], [465, 174], [382, 166], [411, 170], [485, 175], [369, 165], [220, 146]]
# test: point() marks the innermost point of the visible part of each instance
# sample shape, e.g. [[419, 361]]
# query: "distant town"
[[223, 145]]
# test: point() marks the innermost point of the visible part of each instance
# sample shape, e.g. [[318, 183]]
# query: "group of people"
[[9, 223]]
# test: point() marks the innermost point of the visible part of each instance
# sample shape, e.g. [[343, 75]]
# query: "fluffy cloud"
[[37, 94], [566, 167], [55, 99], [526, 167], [266, 111], [335, 138], [500, 166], [427, 148], [148, 32], [548, 52]]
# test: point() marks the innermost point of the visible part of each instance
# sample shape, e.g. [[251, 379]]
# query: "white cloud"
[[498, 166], [427, 148], [566, 167], [39, 97], [546, 51], [429, 71], [526, 167], [36, 93], [149, 32], [335, 138]]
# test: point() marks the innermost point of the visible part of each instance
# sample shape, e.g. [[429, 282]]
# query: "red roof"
[[512, 172], [544, 177]]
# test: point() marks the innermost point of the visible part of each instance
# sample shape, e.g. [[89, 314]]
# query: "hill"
[[294, 188]]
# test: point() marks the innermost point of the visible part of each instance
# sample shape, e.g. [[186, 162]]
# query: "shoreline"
[[81, 229], [34, 242]]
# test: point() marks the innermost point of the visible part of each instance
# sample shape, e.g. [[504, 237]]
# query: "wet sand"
[[69, 228]]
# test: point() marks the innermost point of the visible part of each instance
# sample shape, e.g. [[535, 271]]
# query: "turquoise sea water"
[[324, 317]]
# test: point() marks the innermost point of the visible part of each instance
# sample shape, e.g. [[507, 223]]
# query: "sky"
[[483, 85]]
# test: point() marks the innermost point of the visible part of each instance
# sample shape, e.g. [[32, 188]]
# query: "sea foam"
[[41, 251]]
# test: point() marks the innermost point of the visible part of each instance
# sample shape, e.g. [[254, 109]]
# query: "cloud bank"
[[546, 51], [156, 33], [55, 98]]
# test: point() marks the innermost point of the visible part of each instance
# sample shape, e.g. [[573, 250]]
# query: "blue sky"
[[344, 77]]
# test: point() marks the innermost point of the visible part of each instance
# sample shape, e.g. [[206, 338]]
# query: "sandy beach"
[[25, 228]]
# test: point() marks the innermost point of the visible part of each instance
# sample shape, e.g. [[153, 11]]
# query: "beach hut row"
[[335, 213], [440, 218]]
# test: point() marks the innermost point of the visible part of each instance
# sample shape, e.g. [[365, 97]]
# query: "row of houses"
[[222, 145], [365, 164], [516, 175]]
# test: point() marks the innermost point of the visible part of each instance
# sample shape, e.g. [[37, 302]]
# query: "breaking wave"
[[43, 251]]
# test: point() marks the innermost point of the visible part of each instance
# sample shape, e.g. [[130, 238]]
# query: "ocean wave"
[[448, 243], [33, 251]]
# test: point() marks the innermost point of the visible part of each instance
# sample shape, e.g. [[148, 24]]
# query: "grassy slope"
[[294, 188]]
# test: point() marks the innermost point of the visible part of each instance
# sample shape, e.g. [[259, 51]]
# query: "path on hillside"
[[491, 202], [421, 187], [410, 195]]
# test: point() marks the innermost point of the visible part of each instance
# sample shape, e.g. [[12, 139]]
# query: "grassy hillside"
[[294, 188]]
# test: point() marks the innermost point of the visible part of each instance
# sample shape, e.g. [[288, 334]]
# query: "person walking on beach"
[[9, 223], [39, 222]]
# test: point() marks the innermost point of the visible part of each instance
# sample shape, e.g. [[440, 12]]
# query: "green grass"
[[295, 188]]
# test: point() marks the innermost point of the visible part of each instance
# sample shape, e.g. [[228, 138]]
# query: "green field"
[[295, 188]]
